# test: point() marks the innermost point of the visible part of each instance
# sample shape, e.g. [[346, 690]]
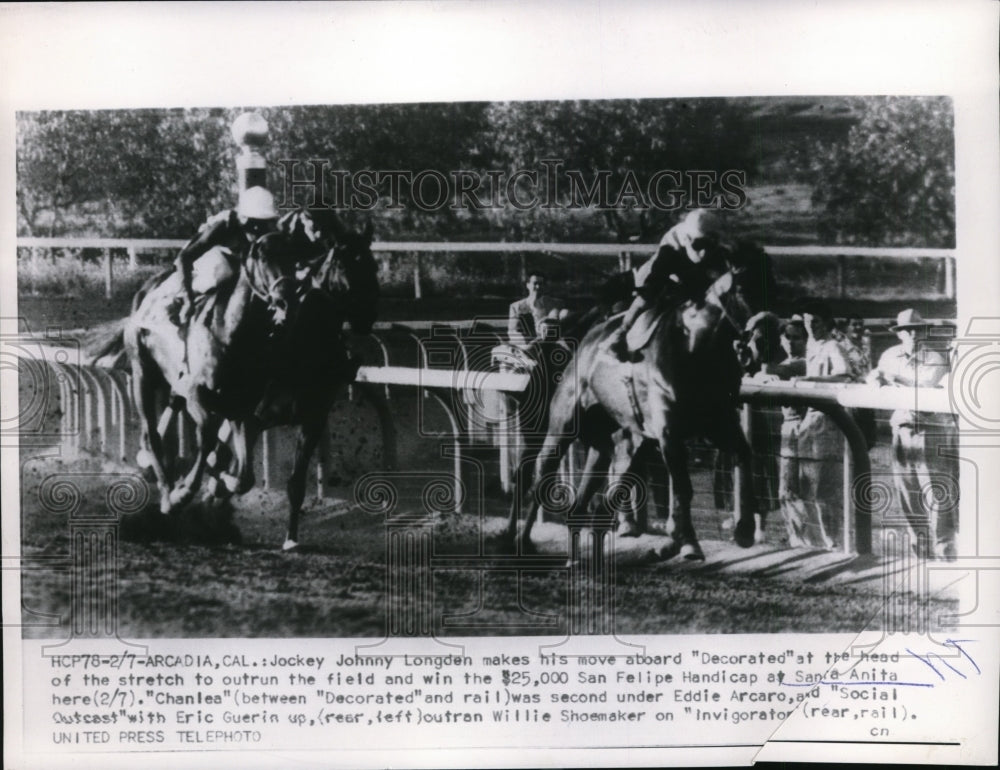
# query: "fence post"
[[108, 278], [417, 293], [133, 260], [33, 270], [738, 479], [949, 277], [848, 496], [841, 270]]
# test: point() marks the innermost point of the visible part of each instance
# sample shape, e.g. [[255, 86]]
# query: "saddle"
[[642, 330], [211, 270]]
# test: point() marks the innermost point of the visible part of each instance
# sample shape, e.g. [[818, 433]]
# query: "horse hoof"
[[165, 507], [246, 484], [501, 544], [289, 545], [211, 486], [628, 529], [745, 534], [525, 547], [669, 550], [179, 496], [692, 552], [144, 459], [229, 481]]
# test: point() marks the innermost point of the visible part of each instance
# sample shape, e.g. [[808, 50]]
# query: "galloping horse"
[[227, 349], [341, 279], [686, 383]]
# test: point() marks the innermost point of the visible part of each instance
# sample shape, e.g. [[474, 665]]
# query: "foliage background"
[[874, 171]]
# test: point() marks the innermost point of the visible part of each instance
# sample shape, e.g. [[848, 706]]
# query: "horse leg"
[[545, 469], [207, 428], [309, 434], [685, 541], [244, 436], [523, 477], [592, 477], [750, 527], [730, 437], [145, 392], [632, 521]]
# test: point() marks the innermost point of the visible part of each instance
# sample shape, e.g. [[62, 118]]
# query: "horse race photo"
[[507, 384], [282, 356]]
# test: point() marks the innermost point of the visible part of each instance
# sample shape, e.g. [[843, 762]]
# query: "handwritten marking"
[[956, 643], [857, 684]]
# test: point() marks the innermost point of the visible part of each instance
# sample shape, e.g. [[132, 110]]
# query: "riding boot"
[[617, 344]]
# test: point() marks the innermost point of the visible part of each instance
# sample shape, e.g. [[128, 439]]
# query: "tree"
[[612, 143], [892, 182], [127, 173]]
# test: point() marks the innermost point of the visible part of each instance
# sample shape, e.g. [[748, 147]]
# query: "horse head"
[[344, 268], [733, 297], [269, 270]]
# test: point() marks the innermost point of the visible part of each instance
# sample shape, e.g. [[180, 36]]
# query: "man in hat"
[[682, 267], [924, 444], [228, 236]]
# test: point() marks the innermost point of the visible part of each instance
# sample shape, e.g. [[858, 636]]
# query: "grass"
[[65, 274]]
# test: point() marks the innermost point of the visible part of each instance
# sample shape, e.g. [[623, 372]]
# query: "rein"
[[266, 296], [251, 270], [717, 295]]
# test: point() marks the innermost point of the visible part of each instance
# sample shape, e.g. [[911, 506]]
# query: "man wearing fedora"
[[924, 444]]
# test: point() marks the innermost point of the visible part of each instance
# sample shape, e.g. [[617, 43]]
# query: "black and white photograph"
[[348, 419]]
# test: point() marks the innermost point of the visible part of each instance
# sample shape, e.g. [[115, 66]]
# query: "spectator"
[[852, 340], [762, 348], [856, 342], [761, 351], [793, 342], [793, 339], [812, 492], [532, 317], [858, 337], [923, 443]]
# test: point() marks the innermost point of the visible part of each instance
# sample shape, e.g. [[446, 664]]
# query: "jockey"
[[682, 267], [230, 233]]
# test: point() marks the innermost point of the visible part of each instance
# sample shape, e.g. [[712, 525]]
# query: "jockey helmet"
[[699, 233], [701, 223], [256, 203]]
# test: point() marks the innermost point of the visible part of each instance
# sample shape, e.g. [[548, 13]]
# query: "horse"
[[340, 278], [214, 364], [685, 383]]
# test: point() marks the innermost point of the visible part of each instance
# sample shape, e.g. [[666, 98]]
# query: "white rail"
[[623, 251]]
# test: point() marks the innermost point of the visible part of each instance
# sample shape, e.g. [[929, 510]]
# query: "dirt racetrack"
[[221, 574]]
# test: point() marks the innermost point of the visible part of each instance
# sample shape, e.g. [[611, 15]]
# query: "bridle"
[[251, 267], [717, 294]]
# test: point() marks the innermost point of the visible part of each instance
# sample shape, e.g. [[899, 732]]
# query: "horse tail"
[[108, 339]]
